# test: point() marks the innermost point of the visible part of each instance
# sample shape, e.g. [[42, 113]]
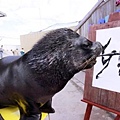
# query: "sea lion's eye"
[[86, 44]]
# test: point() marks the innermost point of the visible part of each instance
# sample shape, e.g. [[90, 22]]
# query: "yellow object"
[[12, 113], [22, 103]]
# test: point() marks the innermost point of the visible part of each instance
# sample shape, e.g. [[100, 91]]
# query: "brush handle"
[[109, 54]]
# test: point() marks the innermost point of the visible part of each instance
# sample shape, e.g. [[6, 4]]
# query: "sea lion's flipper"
[[47, 107]]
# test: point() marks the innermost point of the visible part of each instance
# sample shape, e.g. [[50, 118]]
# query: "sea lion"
[[30, 81]]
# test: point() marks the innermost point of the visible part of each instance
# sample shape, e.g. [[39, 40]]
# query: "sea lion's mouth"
[[90, 62]]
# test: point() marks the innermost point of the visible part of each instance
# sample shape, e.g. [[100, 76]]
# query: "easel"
[[89, 109], [101, 98]]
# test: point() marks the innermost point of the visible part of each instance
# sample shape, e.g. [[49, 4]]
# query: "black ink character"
[[118, 65], [106, 61]]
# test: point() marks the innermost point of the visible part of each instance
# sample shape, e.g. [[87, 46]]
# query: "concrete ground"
[[68, 105]]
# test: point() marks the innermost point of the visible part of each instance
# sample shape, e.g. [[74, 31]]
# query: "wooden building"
[[100, 11]]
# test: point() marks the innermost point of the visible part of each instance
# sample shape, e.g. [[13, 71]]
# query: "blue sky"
[[25, 16]]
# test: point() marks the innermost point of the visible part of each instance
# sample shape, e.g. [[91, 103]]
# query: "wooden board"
[[102, 97]]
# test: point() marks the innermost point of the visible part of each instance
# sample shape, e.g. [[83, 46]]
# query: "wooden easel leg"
[[88, 112], [117, 117]]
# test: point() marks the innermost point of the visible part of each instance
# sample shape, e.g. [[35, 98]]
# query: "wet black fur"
[[37, 76]]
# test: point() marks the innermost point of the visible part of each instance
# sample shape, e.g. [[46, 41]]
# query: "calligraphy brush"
[[109, 54]]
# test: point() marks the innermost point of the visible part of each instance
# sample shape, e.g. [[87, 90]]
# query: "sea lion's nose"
[[97, 45]]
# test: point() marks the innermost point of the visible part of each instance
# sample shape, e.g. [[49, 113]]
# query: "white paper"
[[109, 79]]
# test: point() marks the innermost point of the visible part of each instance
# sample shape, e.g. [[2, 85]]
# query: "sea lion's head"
[[83, 52], [65, 49], [76, 52]]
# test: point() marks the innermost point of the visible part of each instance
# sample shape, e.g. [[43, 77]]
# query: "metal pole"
[[89, 14]]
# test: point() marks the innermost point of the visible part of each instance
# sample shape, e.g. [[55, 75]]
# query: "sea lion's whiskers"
[[87, 62]]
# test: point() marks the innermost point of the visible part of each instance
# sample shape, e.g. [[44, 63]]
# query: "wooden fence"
[[105, 8]]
